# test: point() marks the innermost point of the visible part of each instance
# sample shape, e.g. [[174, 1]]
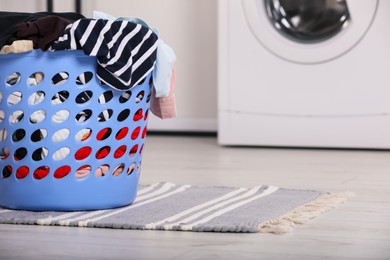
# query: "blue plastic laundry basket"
[[66, 141]]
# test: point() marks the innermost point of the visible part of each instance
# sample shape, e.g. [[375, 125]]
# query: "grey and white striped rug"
[[167, 206]]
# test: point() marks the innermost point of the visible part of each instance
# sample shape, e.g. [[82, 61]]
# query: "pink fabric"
[[165, 107]]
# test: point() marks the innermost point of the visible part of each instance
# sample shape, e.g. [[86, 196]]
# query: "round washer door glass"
[[308, 21], [309, 31]]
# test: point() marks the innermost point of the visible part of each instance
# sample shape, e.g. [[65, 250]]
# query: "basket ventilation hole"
[[60, 97], [38, 135], [59, 78], [104, 134], [135, 133], [148, 97], [16, 117], [105, 115], [102, 170], [36, 98], [41, 172], [133, 150], [84, 78], [4, 153], [61, 154], [7, 171], [14, 98], [118, 169], [20, 154], [123, 115], [120, 151], [83, 134], [35, 78], [60, 116], [103, 152], [106, 97], [139, 96], [40, 154], [84, 97], [61, 135], [146, 114], [18, 135], [125, 96], [13, 79], [138, 115], [83, 153], [121, 133], [131, 169], [22, 172], [2, 116], [83, 115], [38, 116], [62, 172], [83, 171], [144, 132], [3, 134]]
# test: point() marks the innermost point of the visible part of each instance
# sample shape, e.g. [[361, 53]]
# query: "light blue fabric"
[[166, 57], [162, 72]]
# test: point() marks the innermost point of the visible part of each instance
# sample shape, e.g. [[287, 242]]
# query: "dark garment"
[[9, 20], [126, 52], [42, 31]]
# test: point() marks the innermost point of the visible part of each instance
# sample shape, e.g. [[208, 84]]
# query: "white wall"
[[189, 27], [35, 6]]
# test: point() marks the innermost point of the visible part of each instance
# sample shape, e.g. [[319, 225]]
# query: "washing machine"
[[304, 73]]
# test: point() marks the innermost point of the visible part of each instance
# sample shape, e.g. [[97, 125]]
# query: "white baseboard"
[[200, 124]]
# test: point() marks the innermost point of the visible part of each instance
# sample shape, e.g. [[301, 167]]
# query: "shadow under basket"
[[66, 141]]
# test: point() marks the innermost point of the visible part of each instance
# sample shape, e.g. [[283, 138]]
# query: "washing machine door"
[[309, 31]]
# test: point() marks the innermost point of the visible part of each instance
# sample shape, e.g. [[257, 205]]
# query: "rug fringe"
[[304, 213]]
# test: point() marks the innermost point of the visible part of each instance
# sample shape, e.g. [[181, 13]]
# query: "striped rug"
[[168, 206]]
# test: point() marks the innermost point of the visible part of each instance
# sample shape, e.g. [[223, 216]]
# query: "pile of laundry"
[[127, 49]]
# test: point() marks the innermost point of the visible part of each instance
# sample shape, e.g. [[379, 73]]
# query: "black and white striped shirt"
[[126, 52]]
